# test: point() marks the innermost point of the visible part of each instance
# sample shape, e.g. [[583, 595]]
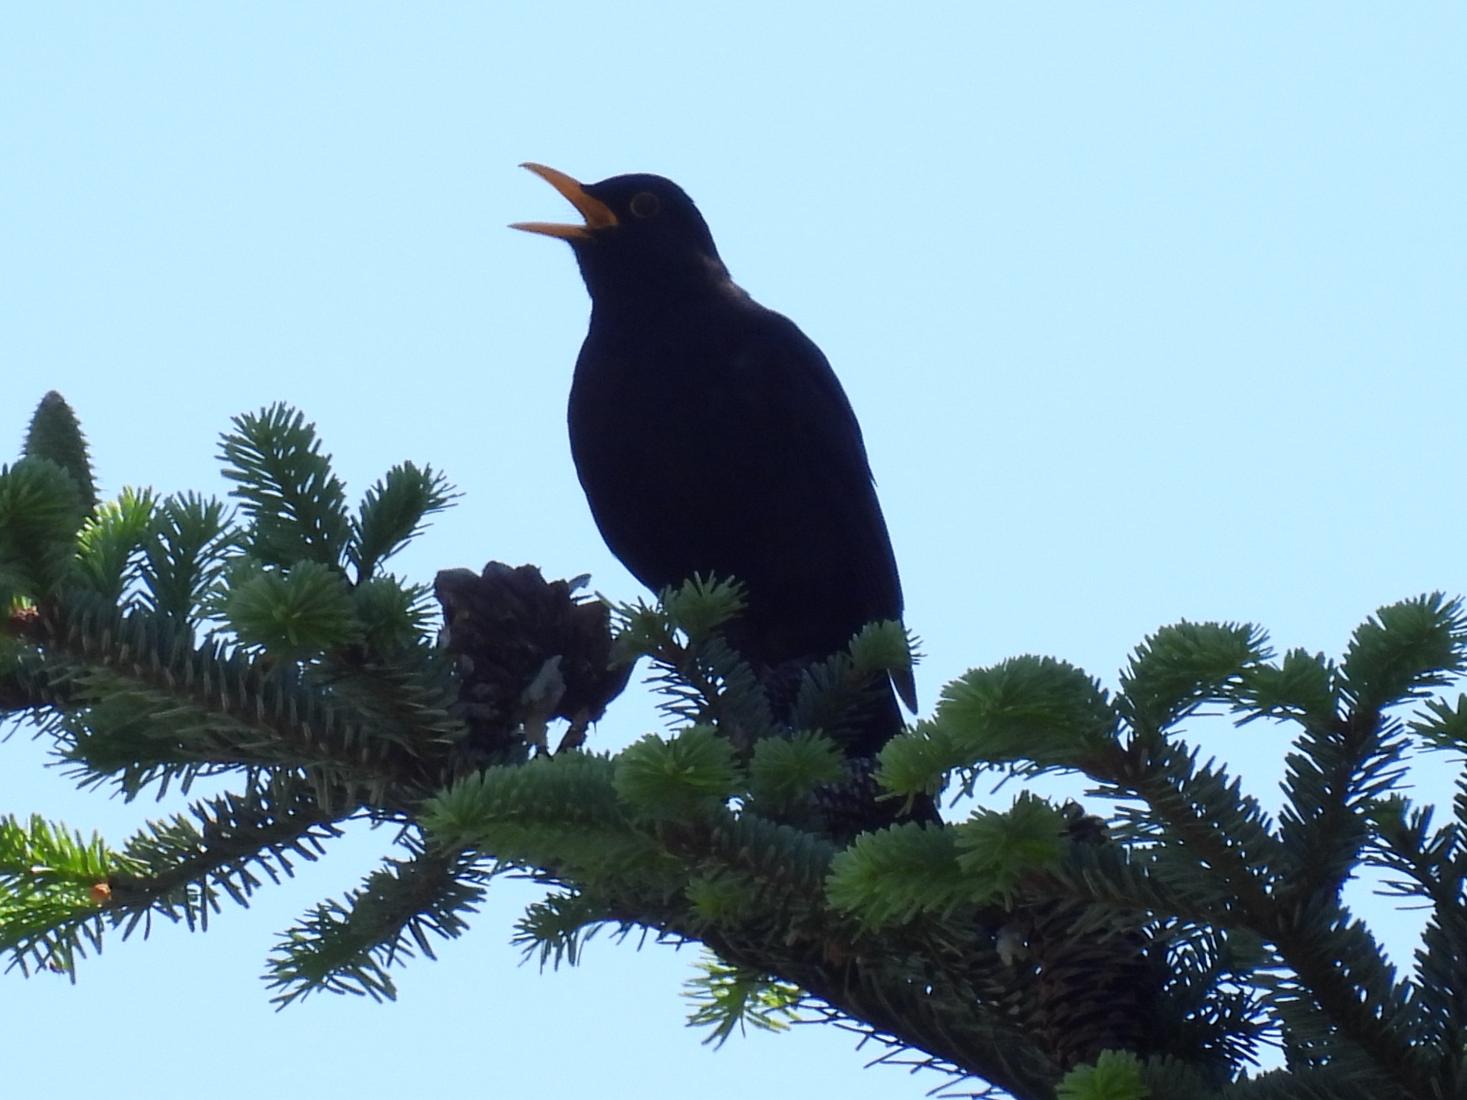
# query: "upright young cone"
[[55, 434]]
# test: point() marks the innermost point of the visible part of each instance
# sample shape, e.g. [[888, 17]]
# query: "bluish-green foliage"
[[1151, 944]]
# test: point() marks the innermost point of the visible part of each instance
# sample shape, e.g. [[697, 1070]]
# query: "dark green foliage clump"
[[1161, 940]]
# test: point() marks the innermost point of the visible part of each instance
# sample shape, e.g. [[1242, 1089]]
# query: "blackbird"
[[711, 436]]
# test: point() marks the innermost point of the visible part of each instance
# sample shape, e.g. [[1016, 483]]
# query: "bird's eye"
[[645, 204]]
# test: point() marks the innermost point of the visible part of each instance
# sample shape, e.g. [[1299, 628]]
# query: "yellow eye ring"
[[645, 204]]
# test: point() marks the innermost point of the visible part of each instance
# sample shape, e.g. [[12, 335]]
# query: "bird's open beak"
[[597, 214]]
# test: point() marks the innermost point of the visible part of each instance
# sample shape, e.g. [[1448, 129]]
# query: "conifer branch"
[[1336, 961], [1336, 772], [1041, 949], [557, 928], [180, 867], [257, 712], [348, 946], [52, 885], [1431, 864], [729, 998], [297, 505]]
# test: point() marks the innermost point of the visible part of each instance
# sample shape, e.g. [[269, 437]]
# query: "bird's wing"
[[808, 454]]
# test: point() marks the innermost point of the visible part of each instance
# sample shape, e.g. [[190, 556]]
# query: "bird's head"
[[641, 235]]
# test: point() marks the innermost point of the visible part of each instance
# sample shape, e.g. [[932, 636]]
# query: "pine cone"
[[527, 651]]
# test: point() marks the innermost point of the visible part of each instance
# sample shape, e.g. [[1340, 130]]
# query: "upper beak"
[[597, 214]]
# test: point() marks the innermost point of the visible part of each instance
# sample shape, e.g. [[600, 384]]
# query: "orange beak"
[[597, 214]]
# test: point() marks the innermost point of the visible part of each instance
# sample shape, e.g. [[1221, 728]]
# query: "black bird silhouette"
[[711, 436]]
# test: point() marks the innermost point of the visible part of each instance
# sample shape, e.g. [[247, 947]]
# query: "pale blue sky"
[[1149, 312]]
